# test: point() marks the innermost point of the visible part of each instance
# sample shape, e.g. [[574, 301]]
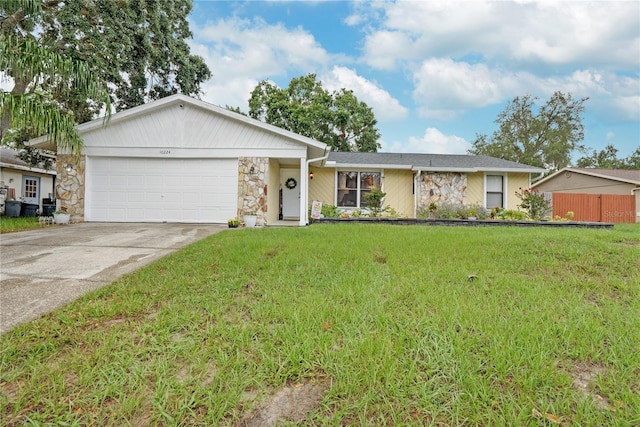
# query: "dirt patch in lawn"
[[584, 376], [291, 403]]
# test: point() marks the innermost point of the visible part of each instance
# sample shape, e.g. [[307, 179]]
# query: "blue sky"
[[434, 73]]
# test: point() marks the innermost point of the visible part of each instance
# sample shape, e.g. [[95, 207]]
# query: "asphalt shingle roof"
[[624, 174], [421, 161]]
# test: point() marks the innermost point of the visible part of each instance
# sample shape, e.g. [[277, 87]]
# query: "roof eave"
[[333, 164], [27, 168]]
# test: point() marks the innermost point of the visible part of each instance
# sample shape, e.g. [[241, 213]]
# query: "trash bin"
[[12, 208], [29, 209]]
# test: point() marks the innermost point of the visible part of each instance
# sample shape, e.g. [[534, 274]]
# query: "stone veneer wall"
[[441, 188], [252, 187], [70, 185]]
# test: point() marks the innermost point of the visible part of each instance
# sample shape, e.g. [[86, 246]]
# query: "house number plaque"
[[165, 151]]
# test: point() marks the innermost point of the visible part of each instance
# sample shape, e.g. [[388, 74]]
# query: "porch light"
[[69, 167], [310, 175]]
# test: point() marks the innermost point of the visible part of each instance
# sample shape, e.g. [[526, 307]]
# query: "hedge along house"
[[413, 181], [179, 159]]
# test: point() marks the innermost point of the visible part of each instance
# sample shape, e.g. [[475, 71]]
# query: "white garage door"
[[155, 190]]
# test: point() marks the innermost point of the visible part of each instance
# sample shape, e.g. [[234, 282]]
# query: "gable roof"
[[428, 162], [317, 148], [629, 176], [9, 159]]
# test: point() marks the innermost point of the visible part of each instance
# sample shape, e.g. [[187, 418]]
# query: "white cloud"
[[384, 106], [445, 88], [531, 34], [241, 52], [433, 141]]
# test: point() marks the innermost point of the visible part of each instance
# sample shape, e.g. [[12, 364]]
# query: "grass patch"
[[383, 321], [11, 224]]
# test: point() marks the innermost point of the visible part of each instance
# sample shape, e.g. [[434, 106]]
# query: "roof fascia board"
[[26, 168], [599, 175], [587, 173], [366, 165]]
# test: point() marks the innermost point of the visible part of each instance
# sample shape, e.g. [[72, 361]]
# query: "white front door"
[[31, 189], [290, 196]]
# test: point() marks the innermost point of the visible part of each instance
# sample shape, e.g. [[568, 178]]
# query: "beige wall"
[[475, 189], [273, 191], [573, 182], [515, 181], [322, 186], [46, 182], [398, 185]]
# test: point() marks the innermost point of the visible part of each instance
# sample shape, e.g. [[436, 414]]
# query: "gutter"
[[305, 202]]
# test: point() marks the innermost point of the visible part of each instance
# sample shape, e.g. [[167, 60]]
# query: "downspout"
[[305, 215], [416, 189]]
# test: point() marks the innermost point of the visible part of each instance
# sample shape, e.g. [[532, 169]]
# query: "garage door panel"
[[178, 190]]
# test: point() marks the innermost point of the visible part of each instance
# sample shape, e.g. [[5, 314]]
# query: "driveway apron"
[[41, 270]]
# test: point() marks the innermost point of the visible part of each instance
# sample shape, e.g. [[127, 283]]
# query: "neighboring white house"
[[179, 159], [20, 181]]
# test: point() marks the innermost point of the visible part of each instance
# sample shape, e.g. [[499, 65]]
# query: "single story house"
[[179, 159], [20, 181], [593, 181]]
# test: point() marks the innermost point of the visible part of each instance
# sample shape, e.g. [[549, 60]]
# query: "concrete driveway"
[[41, 270]]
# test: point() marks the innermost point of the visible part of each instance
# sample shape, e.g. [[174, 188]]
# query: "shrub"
[[533, 203], [374, 201]]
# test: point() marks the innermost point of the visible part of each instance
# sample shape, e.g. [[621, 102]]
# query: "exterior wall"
[[398, 185], [323, 186], [12, 178], [441, 188], [252, 186], [515, 181], [573, 182], [637, 194], [475, 189], [70, 186], [273, 191]]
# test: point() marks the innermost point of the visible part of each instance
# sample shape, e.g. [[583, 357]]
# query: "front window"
[[354, 186], [495, 191]]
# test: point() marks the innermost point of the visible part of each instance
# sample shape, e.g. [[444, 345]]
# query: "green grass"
[[12, 225], [385, 315]]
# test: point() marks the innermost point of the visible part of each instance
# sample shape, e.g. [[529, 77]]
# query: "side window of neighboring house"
[[352, 187], [495, 191]]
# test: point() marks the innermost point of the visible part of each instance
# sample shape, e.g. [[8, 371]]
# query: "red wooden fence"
[[595, 207]]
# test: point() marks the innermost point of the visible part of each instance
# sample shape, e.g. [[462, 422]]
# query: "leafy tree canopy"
[[32, 65], [338, 119], [70, 54], [608, 159], [544, 137]]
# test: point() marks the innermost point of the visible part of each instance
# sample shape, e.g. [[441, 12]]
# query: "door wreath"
[[291, 183]]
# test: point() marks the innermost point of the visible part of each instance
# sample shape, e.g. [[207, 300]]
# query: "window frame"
[[358, 189], [503, 192]]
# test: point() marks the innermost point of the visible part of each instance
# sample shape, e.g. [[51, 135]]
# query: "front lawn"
[[347, 324], [12, 225]]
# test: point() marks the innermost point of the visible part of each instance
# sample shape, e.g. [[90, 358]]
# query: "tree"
[[605, 159], [545, 138], [608, 159], [30, 64], [338, 119], [136, 48]]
